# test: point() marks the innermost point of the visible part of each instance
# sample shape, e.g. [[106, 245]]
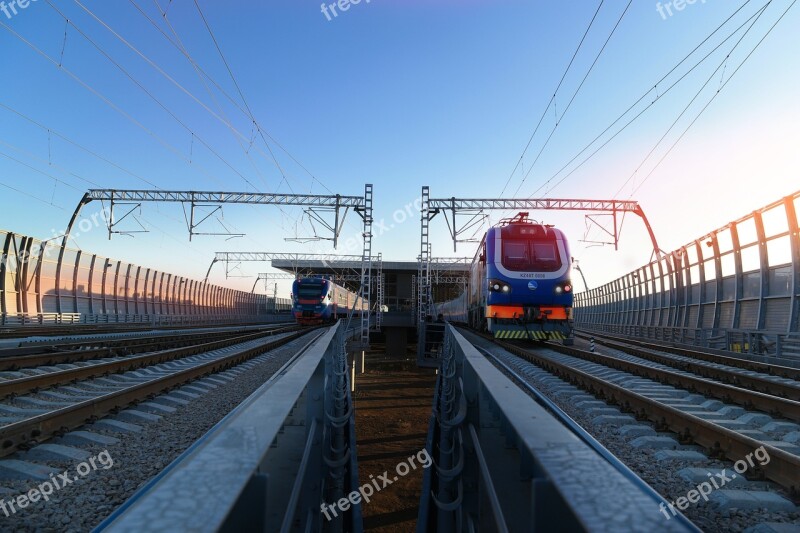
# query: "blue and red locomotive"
[[519, 286], [317, 299]]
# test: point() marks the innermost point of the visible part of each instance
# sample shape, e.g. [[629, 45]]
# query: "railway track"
[[786, 385], [635, 418], [34, 411], [642, 391], [74, 351], [625, 344], [14, 332]]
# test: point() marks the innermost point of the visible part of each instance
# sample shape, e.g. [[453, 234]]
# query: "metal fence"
[[735, 288], [40, 283]]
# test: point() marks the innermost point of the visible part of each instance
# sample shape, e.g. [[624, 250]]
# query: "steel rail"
[[584, 435], [746, 364], [61, 377], [783, 467], [756, 383], [27, 347], [728, 393], [176, 463], [20, 332], [44, 426], [72, 352]]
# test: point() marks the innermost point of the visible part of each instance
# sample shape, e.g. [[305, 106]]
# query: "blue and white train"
[[316, 300], [519, 284]]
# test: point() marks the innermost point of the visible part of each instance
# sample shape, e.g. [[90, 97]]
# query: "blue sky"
[[398, 94]]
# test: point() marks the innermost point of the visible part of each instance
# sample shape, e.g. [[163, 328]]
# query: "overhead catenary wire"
[[552, 98], [575, 94], [241, 136], [657, 98], [144, 89], [713, 75], [760, 42], [203, 80], [222, 91], [111, 104]]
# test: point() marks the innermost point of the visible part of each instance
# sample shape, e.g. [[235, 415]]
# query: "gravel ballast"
[[662, 476], [138, 457]]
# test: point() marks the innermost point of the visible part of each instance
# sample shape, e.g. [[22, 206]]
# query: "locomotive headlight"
[[496, 285], [563, 287]]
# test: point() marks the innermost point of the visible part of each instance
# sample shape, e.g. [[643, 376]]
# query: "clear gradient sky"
[[398, 93]]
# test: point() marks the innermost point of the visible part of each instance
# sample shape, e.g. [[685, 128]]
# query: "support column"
[[366, 266]]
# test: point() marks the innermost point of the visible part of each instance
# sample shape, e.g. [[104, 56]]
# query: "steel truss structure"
[[315, 205], [268, 257], [475, 208]]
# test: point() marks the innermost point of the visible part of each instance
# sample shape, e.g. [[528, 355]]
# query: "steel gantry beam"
[[278, 276], [315, 204], [476, 207], [268, 257]]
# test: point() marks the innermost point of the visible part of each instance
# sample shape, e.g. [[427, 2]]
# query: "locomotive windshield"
[[530, 255], [309, 291]]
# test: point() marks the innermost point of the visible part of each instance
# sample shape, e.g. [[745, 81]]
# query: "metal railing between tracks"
[[271, 463], [502, 462]]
